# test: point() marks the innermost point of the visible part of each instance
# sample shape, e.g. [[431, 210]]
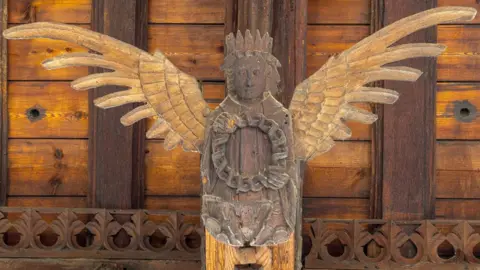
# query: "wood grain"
[[67, 202], [458, 165], [186, 11], [344, 155], [194, 49], [337, 182], [458, 155], [81, 264], [173, 203], [48, 167], [460, 61], [25, 58], [457, 110], [408, 185], [335, 208], [116, 173], [338, 11], [63, 112], [324, 41], [457, 209], [65, 11], [342, 172], [171, 172], [4, 125], [221, 256], [464, 3]]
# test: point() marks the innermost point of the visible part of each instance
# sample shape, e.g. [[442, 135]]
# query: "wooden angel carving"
[[250, 143]]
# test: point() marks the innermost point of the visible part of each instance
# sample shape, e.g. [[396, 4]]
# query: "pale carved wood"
[[324, 101], [172, 96]]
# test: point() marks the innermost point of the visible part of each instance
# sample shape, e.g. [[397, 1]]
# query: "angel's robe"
[[249, 218]]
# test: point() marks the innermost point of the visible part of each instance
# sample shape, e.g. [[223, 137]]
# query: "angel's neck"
[[250, 102]]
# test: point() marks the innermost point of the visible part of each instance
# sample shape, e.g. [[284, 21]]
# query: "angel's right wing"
[[171, 95]]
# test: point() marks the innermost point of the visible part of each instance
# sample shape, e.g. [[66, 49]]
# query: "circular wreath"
[[274, 176]]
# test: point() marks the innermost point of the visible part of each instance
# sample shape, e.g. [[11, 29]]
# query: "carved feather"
[[168, 93], [320, 104]]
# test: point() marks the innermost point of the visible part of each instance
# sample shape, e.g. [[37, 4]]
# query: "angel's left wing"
[[322, 103], [168, 93]]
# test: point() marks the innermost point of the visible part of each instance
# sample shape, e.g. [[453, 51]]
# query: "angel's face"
[[249, 77]]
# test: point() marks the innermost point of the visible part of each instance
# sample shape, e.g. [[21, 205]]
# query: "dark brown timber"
[[409, 129], [3, 107], [116, 170]]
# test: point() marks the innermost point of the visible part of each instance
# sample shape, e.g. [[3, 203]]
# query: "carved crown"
[[249, 42]]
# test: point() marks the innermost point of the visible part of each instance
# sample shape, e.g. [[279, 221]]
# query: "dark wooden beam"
[[116, 153], [408, 149], [376, 23], [4, 107]]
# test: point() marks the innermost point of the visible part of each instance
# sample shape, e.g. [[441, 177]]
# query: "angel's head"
[[250, 68]]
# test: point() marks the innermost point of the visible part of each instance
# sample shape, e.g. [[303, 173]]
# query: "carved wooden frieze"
[[99, 233], [250, 143], [383, 244]]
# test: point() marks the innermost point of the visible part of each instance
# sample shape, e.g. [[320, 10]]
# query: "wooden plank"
[[458, 155], [48, 167], [222, 256], [64, 11], [461, 59], [47, 110], [324, 41], [408, 185], [457, 111], [173, 203], [67, 202], [335, 208], [458, 165], [463, 3], [171, 172], [342, 172], [4, 125], [186, 11], [345, 155], [376, 183], [25, 58], [339, 11], [213, 91], [116, 152], [195, 49], [457, 209], [458, 184], [337, 182], [81, 264]]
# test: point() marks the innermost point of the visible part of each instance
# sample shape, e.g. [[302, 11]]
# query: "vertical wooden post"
[[116, 173], [286, 22], [407, 130], [4, 107]]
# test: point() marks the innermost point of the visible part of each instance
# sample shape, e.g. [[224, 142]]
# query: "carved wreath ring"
[[274, 177]]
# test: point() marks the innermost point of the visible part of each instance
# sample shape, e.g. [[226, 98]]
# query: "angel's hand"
[[225, 123]]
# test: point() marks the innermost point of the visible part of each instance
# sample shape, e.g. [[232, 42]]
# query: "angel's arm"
[[322, 103], [171, 95]]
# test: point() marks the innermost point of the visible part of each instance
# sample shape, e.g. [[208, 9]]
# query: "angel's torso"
[[256, 213]]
